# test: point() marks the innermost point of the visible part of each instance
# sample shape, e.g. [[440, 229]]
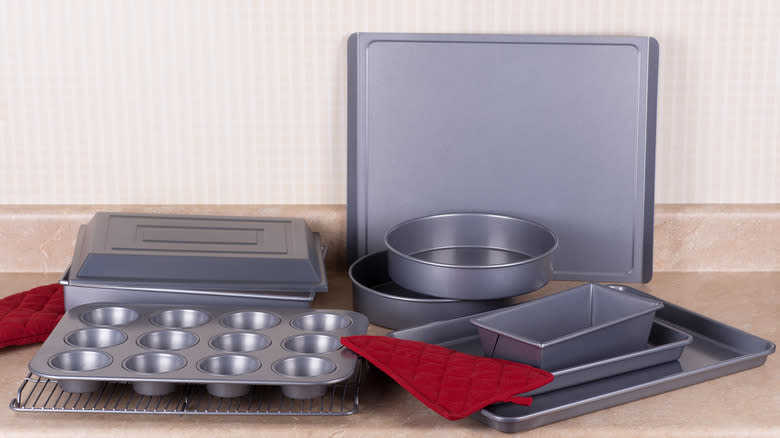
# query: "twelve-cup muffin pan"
[[226, 348]]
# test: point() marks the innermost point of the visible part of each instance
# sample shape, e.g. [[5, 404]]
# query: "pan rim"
[[412, 258]]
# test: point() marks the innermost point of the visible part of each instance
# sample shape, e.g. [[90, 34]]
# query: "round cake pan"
[[470, 256], [388, 305]]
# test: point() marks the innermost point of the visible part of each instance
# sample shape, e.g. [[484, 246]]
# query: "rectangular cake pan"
[[226, 348], [199, 252], [666, 343], [579, 325], [559, 130], [77, 294]]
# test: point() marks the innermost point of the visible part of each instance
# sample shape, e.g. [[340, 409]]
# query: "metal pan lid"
[[199, 252]]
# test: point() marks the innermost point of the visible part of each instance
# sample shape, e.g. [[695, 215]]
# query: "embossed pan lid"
[[199, 252]]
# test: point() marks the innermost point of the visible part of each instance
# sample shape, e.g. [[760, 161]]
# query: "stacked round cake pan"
[[450, 265]]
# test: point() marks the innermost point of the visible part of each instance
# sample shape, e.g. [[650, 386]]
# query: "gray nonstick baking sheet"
[[717, 350], [559, 130]]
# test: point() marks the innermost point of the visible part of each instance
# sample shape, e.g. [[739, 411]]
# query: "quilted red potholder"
[[29, 317], [452, 383]]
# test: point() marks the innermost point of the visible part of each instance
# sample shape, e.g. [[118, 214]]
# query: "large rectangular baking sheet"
[[717, 350], [556, 129]]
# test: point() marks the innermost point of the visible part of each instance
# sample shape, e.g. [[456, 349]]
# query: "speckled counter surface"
[[743, 404]]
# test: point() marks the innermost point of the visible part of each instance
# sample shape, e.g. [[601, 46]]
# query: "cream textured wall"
[[244, 102]]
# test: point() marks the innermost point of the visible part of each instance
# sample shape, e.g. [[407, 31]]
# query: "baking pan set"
[[684, 348], [196, 314], [480, 167], [559, 130], [446, 130], [228, 349], [486, 165], [170, 259]]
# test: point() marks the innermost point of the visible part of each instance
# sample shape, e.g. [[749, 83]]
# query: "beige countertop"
[[743, 404]]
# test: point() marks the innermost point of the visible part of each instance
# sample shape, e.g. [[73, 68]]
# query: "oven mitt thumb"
[[29, 317], [451, 383]]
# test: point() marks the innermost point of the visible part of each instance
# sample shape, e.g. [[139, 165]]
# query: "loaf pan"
[[586, 323]]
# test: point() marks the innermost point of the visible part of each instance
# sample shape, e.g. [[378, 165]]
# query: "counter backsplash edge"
[[688, 237]]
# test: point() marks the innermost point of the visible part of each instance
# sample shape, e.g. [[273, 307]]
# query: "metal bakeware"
[[388, 305], [665, 344], [579, 325], [39, 394], [559, 130], [473, 256], [199, 252], [94, 292], [228, 349], [717, 350]]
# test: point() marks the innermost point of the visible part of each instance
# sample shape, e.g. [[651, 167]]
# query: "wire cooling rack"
[[39, 394]]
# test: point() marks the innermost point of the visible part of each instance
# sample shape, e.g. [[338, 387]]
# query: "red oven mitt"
[[29, 317], [451, 383]]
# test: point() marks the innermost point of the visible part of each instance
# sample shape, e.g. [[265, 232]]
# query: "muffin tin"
[[226, 348]]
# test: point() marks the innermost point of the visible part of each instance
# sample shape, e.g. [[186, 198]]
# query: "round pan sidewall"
[[466, 230]]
